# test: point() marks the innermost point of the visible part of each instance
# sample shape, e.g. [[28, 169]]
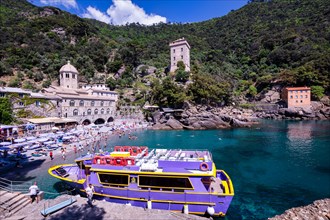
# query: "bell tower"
[[69, 76]]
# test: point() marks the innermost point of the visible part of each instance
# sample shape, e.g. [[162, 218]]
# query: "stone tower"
[[69, 76], [180, 51]]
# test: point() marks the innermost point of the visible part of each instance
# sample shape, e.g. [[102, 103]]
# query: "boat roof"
[[157, 160]]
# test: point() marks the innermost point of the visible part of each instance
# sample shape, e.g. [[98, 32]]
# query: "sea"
[[274, 166]]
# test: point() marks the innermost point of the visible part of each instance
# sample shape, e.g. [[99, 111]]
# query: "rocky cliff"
[[319, 210], [202, 118]]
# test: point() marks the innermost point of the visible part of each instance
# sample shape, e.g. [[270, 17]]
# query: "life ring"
[[204, 166]]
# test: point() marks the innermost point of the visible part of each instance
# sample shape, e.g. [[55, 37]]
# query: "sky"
[[147, 12]]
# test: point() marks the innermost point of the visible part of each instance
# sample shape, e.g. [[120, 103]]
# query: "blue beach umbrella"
[[5, 148], [5, 143]]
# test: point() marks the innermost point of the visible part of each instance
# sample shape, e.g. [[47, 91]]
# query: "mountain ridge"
[[286, 42]]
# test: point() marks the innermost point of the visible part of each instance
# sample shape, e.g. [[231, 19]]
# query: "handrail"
[[14, 186]]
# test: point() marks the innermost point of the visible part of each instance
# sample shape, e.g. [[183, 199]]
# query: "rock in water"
[[319, 210]]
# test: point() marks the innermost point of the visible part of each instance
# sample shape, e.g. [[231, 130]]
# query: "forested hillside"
[[285, 42]]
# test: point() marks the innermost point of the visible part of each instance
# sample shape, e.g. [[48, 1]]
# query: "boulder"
[[156, 116], [161, 127], [239, 124], [174, 124]]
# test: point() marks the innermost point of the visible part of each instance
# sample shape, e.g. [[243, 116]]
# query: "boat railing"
[[14, 186]]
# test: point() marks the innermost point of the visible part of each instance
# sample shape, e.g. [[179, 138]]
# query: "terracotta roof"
[[297, 88]]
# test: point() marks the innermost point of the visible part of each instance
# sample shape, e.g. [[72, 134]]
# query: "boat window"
[[165, 182], [113, 179]]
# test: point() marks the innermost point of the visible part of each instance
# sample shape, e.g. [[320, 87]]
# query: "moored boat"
[[177, 180]]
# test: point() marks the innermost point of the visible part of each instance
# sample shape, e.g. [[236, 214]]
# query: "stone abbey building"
[[89, 104]]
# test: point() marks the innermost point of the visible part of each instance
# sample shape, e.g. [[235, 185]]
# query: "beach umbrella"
[[49, 142], [5, 143], [60, 132], [32, 141], [19, 140], [55, 128], [5, 148], [30, 138], [46, 135], [42, 139]]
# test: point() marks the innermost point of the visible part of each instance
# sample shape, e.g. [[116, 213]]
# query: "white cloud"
[[123, 12], [65, 3], [96, 14]]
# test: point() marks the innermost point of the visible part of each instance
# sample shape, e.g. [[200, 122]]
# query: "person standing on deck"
[[89, 191]]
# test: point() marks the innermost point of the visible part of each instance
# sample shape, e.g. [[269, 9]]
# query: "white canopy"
[[19, 140]]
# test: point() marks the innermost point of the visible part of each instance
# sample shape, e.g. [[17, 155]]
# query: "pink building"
[[297, 96]]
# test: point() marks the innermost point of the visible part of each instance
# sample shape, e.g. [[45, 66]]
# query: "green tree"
[[5, 111], [317, 92], [111, 83]]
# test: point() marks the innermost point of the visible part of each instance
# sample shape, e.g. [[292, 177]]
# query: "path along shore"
[[80, 210]]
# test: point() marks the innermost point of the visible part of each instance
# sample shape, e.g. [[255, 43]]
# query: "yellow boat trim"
[[153, 200], [231, 191], [152, 173], [144, 190], [81, 181]]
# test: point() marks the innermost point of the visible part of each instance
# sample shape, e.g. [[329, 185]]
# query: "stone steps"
[[10, 203]]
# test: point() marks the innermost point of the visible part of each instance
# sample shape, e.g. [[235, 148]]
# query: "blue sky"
[[120, 12]]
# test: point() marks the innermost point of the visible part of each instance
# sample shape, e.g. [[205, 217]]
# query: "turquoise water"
[[274, 166]]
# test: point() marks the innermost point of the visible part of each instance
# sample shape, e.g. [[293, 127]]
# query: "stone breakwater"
[[205, 117], [319, 210]]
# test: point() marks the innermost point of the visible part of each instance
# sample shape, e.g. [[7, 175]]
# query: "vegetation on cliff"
[[281, 41]]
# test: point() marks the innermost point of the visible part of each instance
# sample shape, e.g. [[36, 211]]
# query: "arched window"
[[92, 103], [89, 112], [75, 112], [81, 103], [108, 110], [72, 103], [96, 111], [102, 111], [102, 103]]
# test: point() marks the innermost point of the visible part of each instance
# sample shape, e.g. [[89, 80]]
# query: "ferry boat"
[[176, 180]]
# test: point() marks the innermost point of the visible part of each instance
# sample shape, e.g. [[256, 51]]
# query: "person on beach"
[[34, 190], [51, 155], [75, 149], [89, 191], [63, 155]]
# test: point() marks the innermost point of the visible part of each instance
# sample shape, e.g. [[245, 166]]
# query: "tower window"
[[181, 57], [173, 50], [72, 103], [173, 58], [181, 49], [73, 76], [96, 111], [67, 75], [92, 103]]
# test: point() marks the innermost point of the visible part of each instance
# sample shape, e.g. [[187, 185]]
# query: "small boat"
[[176, 180]]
